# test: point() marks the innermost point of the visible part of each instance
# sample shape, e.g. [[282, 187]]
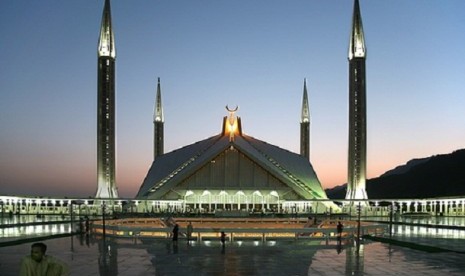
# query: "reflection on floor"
[[88, 255]]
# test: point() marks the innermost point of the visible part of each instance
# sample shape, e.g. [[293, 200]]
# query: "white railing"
[[453, 206]]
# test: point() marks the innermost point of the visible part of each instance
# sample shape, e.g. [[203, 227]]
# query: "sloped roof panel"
[[168, 163], [291, 164], [189, 167]]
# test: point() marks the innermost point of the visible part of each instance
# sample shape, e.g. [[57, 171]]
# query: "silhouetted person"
[[81, 225], [87, 224], [190, 229], [175, 234], [223, 238], [40, 264], [339, 228]]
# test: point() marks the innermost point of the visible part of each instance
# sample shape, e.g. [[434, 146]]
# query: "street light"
[[1, 206], [359, 211], [103, 218], [120, 204], [392, 208]]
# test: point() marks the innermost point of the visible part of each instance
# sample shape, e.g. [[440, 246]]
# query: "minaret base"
[[357, 194], [106, 192]]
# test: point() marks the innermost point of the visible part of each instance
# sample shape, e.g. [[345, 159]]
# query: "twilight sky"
[[254, 54]]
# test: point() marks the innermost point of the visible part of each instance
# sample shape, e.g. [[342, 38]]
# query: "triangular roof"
[[291, 169]]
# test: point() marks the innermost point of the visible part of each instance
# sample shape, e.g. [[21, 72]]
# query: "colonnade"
[[210, 204], [446, 207]]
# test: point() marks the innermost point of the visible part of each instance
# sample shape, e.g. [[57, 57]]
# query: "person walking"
[[339, 229], [175, 234], [87, 224], [223, 238], [190, 229], [81, 225]]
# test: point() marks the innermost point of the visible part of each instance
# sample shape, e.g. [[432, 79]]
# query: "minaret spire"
[[106, 44], [158, 111], [106, 153], [158, 123], [305, 125], [305, 109], [357, 157], [357, 47]]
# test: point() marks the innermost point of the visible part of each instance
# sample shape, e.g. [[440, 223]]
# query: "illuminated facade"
[[84, 206], [234, 171], [357, 157], [106, 155], [158, 122]]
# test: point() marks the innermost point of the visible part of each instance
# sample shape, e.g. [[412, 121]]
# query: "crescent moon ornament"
[[232, 126], [232, 110]]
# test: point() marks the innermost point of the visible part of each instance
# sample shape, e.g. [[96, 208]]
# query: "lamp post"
[[392, 209], [254, 195], [120, 206], [137, 206], [61, 207], [54, 205], [71, 215], [103, 218], [86, 204], [359, 211]]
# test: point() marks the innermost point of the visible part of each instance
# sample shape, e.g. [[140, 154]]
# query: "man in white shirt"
[[39, 264]]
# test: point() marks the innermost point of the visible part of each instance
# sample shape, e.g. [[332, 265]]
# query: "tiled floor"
[[301, 257]]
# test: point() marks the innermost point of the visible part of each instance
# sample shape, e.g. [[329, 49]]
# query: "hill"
[[436, 176]]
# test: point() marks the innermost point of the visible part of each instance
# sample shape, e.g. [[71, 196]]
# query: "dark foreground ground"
[[87, 255]]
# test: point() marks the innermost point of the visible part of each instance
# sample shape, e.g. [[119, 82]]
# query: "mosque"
[[231, 170]]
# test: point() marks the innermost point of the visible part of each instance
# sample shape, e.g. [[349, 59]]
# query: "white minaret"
[[305, 125], [106, 152], [158, 122], [356, 180]]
